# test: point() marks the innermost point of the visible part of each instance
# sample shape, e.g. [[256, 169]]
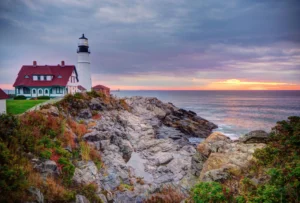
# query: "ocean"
[[235, 112]]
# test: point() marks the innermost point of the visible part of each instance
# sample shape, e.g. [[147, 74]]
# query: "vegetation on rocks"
[[273, 176], [41, 136]]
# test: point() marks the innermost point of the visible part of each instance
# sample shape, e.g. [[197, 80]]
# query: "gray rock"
[[47, 167], [217, 175], [85, 113], [257, 136], [85, 173], [39, 197], [81, 199], [197, 163], [103, 198], [96, 104]]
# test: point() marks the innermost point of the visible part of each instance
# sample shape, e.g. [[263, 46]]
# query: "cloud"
[[206, 40], [238, 82]]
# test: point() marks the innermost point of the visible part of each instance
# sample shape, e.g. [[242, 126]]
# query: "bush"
[[167, 194], [8, 126], [46, 154], [90, 192], [20, 97], [43, 97], [209, 192]]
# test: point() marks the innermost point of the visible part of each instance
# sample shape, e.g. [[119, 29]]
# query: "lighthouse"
[[83, 63]]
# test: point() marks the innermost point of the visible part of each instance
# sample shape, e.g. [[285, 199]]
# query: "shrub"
[[78, 95], [124, 104], [167, 194], [209, 192], [8, 126], [43, 97], [85, 151], [20, 97], [13, 180], [46, 154], [68, 169], [90, 192], [55, 192]]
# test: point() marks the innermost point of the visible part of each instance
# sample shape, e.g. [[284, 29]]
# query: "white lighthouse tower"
[[83, 63]]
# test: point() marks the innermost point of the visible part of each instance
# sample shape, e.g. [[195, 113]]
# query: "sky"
[[158, 44]]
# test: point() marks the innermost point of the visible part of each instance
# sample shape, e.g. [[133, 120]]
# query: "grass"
[[20, 106]]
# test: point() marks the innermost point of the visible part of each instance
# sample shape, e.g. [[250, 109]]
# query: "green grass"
[[20, 106]]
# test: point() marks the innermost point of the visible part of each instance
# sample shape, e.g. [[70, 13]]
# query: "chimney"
[[62, 63], [34, 63]]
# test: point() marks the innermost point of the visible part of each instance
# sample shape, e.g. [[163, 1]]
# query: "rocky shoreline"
[[144, 146], [150, 143]]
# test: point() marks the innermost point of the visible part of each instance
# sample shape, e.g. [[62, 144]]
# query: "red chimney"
[[34, 63], [62, 63]]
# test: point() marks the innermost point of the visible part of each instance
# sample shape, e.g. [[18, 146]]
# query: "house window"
[[40, 91], [26, 76], [51, 91], [18, 90], [26, 90], [58, 90], [35, 78], [46, 91], [33, 91]]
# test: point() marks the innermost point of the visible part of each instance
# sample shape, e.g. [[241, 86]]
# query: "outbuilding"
[[3, 97]]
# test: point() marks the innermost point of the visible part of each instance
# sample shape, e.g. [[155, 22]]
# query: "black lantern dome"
[[83, 45]]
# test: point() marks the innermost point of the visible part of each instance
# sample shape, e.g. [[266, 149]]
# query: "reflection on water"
[[137, 163], [235, 112]]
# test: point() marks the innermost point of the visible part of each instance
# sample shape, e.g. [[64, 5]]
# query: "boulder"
[[47, 167], [103, 198], [85, 172], [38, 195], [81, 199], [216, 142], [257, 136], [85, 113], [218, 175], [197, 163], [53, 110], [96, 104]]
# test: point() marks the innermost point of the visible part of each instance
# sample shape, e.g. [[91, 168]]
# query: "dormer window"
[[26, 76], [59, 76]]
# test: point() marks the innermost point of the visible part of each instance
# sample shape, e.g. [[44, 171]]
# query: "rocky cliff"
[[128, 148]]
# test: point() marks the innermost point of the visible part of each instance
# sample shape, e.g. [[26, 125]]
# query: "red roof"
[[3, 95], [81, 88], [64, 71], [100, 87]]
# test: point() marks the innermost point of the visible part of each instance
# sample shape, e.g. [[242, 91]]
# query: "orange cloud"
[[235, 84], [238, 82]]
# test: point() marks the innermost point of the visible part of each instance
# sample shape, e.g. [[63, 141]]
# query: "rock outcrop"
[[150, 141], [257, 136], [144, 145], [223, 156]]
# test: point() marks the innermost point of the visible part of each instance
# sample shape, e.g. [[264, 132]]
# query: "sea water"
[[235, 112]]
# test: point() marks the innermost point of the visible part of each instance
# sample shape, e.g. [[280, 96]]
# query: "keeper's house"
[[44, 80]]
